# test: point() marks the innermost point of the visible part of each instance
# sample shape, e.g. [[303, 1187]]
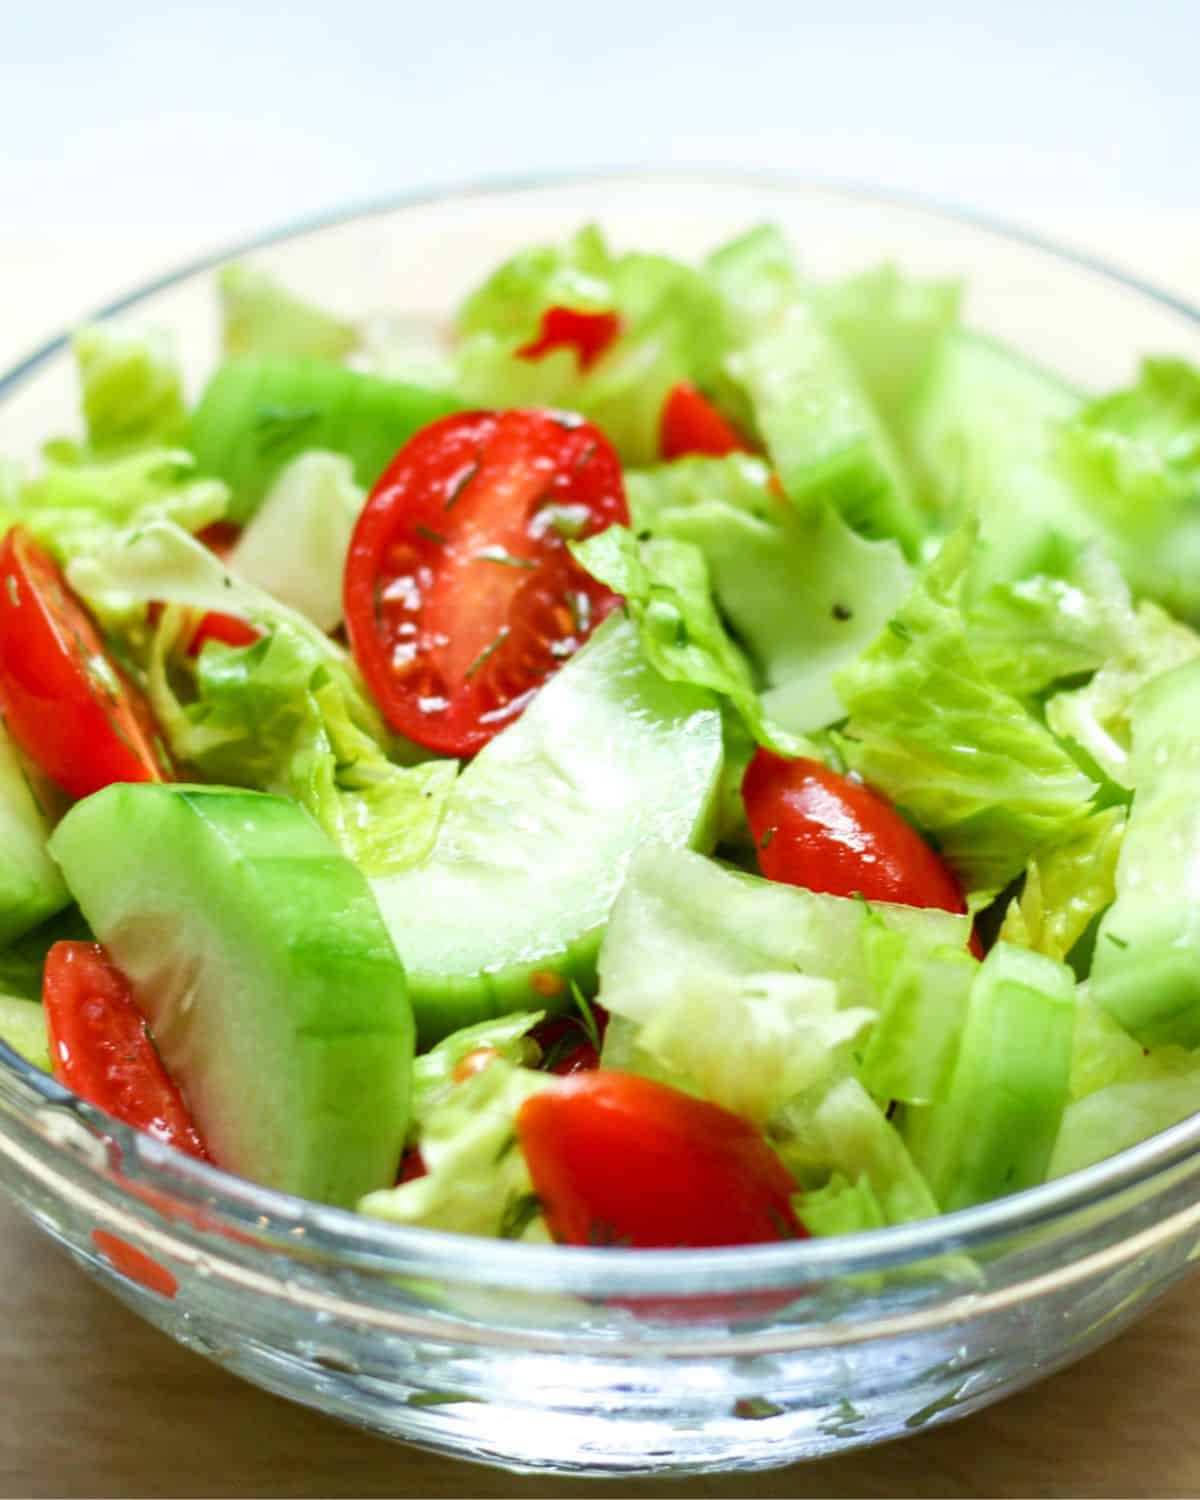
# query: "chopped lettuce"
[[260, 316], [666, 588], [803, 592], [755, 276], [131, 388], [476, 1179], [966, 760], [295, 544], [672, 328], [23, 1028], [433, 1071], [1068, 883]]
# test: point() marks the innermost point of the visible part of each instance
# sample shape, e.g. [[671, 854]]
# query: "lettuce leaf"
[[476, 1180], [803, 593], [131, 389], [968, 762], [260, 316], [1067, 884], [1155, 1089], [433, 1071], [666, 589]]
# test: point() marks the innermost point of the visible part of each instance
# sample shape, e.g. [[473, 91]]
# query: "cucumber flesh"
[[259, 412], [270, 985], [513, 900], [995, 1131], [31, 887]]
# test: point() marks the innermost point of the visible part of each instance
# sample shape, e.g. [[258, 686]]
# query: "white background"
[[134, 135]]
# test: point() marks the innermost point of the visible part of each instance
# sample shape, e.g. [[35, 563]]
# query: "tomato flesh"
[[815, 828], [692, 424], [67, 704], [617, 1159], [461, 597], [100, 1046], [588, 333], [565, 1046]]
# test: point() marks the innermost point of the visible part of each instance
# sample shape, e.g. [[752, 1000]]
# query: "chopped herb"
[[506, 559], [430, 535], [461, 480], [437, 1398], [755, 1408], [587, 1016], [603, 1235], [486, 653], [781, 1225], [842, 612], [507, 1145], [519, 1213], [644, 536], [1117, 942], [900, 630], [277, 427], [765, 841], [927, 1413], [681, 632], [842, 1421]]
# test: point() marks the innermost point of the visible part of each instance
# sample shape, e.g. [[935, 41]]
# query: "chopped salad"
[[696, 756]]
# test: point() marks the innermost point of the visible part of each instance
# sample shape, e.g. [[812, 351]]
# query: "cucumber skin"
[[273, 991], [259, 412], [31, 888]]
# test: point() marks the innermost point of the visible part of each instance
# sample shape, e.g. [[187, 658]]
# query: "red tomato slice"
[[221, 537], [66, 702], [825, 832], [617, 1159], [461, 597], [692, 424], [100, 1046], [227, 629], [588, 333]]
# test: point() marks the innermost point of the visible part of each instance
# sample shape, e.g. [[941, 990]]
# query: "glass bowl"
[[614, 1361]]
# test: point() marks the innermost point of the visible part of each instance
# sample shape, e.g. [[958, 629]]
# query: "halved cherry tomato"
[[227, 629], [827, 832], [221, 537], [692, 424], [100, 1046], [461, 597], [66, 702], [565, 1046], [588, 333], [617, 1159]]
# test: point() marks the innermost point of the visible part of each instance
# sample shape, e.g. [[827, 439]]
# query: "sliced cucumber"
[[257, 413], [31, 888], [981, 430], [271, 987], [995, 1131], [532, 851]]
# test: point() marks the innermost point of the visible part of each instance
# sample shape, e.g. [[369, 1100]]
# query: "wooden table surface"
[[96, 1402]]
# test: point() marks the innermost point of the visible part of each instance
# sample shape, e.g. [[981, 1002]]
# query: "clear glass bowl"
[[611, 1361]]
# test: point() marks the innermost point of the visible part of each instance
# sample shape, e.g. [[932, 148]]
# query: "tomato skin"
[[67, 704], [460, 595], [815, 828], [227, 629], [588, 333], [692, 424], [620, 1159], [100, 1046]]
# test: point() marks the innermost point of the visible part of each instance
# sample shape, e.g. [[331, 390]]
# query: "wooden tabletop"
[[96, 1402]]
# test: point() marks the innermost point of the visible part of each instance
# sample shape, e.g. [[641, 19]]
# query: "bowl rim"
[[359, 1241]]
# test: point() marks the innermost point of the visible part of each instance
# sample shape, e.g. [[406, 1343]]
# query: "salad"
[[695, 756]]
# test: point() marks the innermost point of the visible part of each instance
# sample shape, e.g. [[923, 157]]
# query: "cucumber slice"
[[822, 433], [23, 1028], [31, 888], [996, 1129], [271, 987], [981, 432], [1146, 964], [257, 413], [533, 848]]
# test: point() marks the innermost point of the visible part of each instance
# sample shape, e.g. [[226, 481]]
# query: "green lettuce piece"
[[131, 388], [673, 328], [476, 1178], [75, 508], [803, 593], [967, 761], [294, 546], [260, 316], [1097, 716], [433, 1071], [1133, 459], [890, 327], [1028, 634], [23, 1028], [1156, 1089], [666, 589], [1067, 884], [756, 277], [824, 438]]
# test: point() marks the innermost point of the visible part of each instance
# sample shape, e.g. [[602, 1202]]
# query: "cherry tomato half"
[[826, 832], [100, 1046], [617, 1159], [461, 597], [588, 333], [67, 704], [692, 424]]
